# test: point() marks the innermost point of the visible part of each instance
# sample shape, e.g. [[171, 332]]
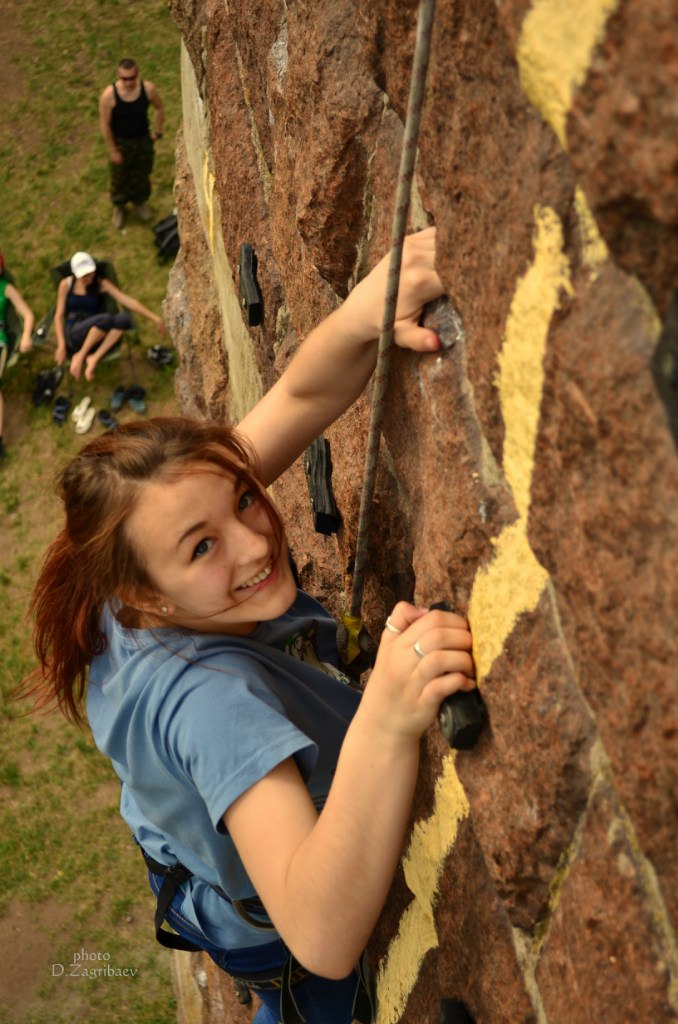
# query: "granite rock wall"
[[528, 473]]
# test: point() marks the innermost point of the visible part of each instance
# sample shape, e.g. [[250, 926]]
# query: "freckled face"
[[211, 552]]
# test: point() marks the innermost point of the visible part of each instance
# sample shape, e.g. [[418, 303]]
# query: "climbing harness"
[[250, 910], [281, 978], [253, 913]]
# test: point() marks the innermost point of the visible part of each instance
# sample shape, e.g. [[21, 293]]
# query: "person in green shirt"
[[9, 294]]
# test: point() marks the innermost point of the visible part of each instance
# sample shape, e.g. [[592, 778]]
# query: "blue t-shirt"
[[191, 722]]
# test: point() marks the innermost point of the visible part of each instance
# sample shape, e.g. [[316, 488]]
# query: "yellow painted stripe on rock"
[[512, 583], [508, 587], [557, 40], [595, 253], [208, 179], [521, 360], [431, 842]]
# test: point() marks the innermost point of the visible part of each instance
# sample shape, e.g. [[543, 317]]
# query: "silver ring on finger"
[[391, 628], [416, 647]]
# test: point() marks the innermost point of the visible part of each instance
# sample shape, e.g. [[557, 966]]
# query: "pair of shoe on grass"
[[83, 415], [134, 395], [142, 210]]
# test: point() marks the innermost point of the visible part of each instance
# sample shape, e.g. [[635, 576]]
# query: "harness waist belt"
[[280, 978], [177, 874]]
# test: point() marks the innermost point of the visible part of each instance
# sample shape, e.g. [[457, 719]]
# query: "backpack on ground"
[[166, 234]]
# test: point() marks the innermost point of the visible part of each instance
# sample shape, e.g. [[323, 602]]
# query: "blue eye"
[[202, 548], [247, 499]]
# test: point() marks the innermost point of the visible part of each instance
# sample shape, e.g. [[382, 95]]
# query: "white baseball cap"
[[82, 264]]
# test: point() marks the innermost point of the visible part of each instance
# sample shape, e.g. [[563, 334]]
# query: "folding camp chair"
[[105, 269]]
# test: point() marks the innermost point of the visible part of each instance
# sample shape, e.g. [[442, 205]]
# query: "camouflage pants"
[[131, 180]]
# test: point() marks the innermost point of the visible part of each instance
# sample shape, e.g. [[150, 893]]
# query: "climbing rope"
[[463, 715], [352, 620]]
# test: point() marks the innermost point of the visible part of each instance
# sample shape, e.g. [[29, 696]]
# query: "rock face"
[[528, 473]]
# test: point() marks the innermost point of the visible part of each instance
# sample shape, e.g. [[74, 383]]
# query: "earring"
[[164, 608]]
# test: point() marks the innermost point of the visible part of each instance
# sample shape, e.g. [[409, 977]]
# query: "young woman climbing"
[[269, 797]]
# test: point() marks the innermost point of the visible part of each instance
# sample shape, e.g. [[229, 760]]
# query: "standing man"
[[123, 116]]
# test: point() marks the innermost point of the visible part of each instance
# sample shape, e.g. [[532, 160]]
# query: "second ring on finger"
[[418, 650]]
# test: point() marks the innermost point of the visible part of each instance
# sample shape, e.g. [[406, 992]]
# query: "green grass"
[[51, 150], [66, 858]]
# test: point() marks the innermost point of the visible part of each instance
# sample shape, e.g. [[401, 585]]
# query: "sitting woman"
[[85, 330]]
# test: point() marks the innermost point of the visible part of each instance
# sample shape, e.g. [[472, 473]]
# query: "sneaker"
[[160, 355], [143, 211], [118, 219], [60, 410], [108, 420], [135, 395]]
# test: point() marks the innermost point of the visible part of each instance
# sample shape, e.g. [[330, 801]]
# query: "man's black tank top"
[[129, 120]]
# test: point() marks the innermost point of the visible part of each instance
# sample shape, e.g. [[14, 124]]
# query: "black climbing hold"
[[441, 316], [462, 716], [453, 1011], [318, 469], [665, 365], [250, 296]]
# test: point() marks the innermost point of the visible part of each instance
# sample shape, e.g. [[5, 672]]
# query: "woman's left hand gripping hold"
[[333, 365], [419, 283]]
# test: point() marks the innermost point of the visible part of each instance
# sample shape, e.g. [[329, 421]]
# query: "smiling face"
[[210, 548]]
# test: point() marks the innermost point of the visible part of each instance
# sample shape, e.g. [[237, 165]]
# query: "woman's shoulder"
[[175, 659]]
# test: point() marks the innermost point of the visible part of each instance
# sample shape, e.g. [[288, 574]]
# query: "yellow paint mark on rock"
[[521, 361], [513, 581], [595, 253], [245, 386], [554, 52], [653, 323], [509, 586], [423, 865], [208, 179]]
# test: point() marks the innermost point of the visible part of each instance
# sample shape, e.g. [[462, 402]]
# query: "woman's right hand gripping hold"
[[423, 658], [324, 879]]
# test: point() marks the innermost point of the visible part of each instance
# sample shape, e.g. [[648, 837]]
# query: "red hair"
[[92, 559]]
